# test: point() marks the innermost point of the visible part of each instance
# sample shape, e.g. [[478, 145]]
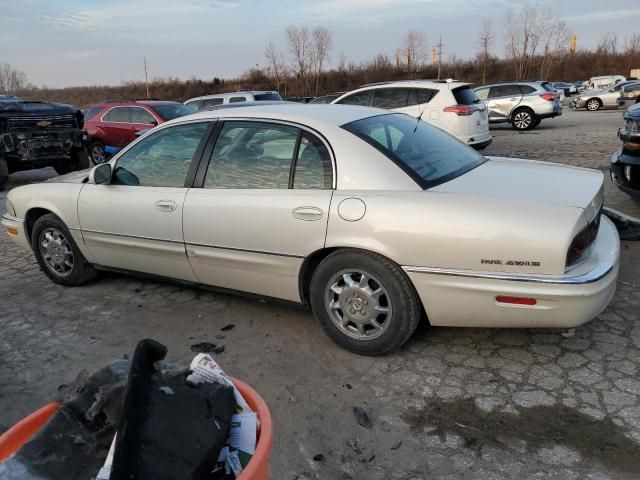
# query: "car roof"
[[312, 115], [226, 94], [449, 83], [133, 103], [514, 82]]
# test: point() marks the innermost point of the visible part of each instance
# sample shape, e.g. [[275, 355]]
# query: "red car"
[[113, 125]]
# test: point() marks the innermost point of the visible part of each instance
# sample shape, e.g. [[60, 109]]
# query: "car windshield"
[[426, 153], [170, 111]]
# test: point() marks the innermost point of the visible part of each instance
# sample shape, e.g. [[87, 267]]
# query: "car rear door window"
[[424, 95], [118, 114], [210, 102], [527, 89], [390, 98], [252, 155], [504, 91], [141, 115], [358, 98], [237, 99], [482, 93], [162, 159], [313, 164]]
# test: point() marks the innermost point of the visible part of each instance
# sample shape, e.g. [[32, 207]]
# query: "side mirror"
[[100, 174]]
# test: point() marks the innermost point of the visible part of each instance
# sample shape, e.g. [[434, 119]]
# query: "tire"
[[536, 122], [4, 173], [522, 119], [64, 264], [593, 104], [387, 298], [97, 153], [79, 161]]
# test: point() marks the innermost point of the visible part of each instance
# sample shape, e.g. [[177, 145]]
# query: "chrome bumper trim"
[[597, 273], [11, 218]]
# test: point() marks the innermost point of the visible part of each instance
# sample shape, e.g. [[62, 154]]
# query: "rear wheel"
[[522, 119], [364, 302], [57, 252], [594, 104], [97, 153], [4, 173]]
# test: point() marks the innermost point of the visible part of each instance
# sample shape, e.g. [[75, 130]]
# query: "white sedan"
[[375, 219]]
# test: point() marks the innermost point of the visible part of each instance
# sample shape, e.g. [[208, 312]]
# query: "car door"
[[503, 99], [135, 221], [141, 119], [263, 207], [117, 127]]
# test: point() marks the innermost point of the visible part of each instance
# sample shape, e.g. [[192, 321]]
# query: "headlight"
[[9, 207]]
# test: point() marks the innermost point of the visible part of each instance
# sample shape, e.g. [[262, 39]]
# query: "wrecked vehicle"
[[625, 162], [40, 134]]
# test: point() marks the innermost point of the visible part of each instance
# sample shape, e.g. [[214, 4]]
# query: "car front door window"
[[162, 159]]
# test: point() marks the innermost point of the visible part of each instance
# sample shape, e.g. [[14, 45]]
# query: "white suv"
[[202, 103], [447, 104]]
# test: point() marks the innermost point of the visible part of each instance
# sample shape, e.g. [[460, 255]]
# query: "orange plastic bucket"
[[257, 468]]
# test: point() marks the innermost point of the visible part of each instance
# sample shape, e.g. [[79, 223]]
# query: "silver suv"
[[207, 101], [522, 104]]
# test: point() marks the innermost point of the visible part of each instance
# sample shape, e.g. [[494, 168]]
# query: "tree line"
[[537, 45]]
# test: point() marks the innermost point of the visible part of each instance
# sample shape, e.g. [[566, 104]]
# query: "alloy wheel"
[[358, 304], [522, 120], [98, 155], [56, 252], [593, 105]]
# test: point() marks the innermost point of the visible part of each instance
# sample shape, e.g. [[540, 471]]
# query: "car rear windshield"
[[91, 112], [465, 95], [170, 111], [427, 154], [548, 87], [261, 97]]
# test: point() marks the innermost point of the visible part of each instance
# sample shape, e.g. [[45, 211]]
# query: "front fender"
[[60, 199]]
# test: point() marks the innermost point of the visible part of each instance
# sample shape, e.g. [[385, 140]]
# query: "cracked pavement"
[[451, 404]]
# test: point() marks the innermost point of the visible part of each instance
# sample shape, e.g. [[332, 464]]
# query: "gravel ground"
[[451, 404]]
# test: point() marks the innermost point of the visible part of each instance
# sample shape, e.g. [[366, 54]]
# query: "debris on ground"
[[226, 328], [204, 347], [362, 417]]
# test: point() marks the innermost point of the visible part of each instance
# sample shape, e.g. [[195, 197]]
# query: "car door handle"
[[307, 213], [166, 205]]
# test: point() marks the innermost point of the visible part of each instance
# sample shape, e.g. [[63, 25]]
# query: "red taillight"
[[581, 243], [549, 96], [516, 300], [462, 110]]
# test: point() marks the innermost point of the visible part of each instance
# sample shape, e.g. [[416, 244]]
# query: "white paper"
[[105, 471], [242, 435]]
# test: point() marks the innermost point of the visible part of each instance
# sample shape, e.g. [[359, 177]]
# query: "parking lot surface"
[[452, 403]]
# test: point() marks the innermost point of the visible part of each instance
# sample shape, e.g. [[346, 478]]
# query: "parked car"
[[522, 104], [299, 99], [594, 100], [446, 104], [113, 125], [207, 101], [580, 86], [40, 134], [370, 217], [328, 98], [603, 82], [625, 163], [567, 88], [629, 95]]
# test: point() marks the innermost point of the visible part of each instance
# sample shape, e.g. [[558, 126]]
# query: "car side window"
[[526, 89], [141, 115], [389, 98], [482, 93], [424, 95], [359, 98], [118, 114], [212, 101], [313, 165], [504, 91], [255, 155], [237, 99], [161, 159]]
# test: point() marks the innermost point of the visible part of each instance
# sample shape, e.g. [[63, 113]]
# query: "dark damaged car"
[[40, 134], [625, 163]]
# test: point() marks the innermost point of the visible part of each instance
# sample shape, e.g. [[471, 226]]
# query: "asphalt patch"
[[599, 442]]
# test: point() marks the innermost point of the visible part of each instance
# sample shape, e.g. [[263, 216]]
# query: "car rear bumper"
[[477, 141], [467, 298], [14, 227]]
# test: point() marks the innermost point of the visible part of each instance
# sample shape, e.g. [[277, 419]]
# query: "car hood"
[[80, 176], [530, 181]]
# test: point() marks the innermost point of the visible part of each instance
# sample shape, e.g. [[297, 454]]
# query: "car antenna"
[[418, 122]]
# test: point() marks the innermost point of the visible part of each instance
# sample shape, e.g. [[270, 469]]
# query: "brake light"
[[462, 110], [582, 241], [516, 300], [549, 96], [631, 145]]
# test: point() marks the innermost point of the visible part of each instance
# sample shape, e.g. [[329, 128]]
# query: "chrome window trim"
[[597, 273]]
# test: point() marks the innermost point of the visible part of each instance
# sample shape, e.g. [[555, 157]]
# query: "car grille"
[[30, 122]]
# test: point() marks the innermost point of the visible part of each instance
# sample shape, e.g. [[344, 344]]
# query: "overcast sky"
[[92, 42]]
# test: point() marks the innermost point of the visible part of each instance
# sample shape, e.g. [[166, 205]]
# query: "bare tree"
[[322, 43], [414, 47], [486, 37], [632, 50], [523, 34], [557, 37], [276, 68], [12, 80], [301, 49], [605, 51]]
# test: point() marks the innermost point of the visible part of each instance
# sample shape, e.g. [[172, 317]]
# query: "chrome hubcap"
[[56, 252], [97, 154], [593, 105], [522, 120], [358, 304]]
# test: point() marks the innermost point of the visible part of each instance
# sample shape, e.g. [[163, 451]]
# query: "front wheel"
[[522, 119], [594, 104], [57, 252], [97, 153], [364, 302]]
